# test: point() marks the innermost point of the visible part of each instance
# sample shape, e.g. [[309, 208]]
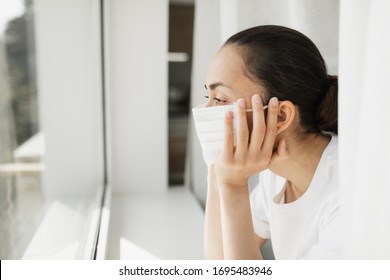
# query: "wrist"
[[212, 192], [233, 188]]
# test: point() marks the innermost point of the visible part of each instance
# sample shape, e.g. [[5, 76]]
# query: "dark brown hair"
[[290, 67]]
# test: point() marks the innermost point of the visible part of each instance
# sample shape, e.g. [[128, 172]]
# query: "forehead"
[[228, 67]]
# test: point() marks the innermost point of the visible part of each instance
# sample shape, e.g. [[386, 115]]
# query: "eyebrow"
[[215, 85]]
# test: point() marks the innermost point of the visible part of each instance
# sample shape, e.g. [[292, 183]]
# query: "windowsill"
[[160, 225], [65, 230]]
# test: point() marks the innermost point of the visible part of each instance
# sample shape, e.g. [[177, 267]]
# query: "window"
[[51, 132], [21, 142]]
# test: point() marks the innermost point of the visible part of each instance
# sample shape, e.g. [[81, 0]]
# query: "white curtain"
[[364, 130]]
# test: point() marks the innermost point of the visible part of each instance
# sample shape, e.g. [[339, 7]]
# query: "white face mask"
[[209, 124]]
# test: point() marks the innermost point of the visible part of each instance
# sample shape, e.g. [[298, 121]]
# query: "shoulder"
[[330, 190], [331, 152], [329, 167], [328, 186]]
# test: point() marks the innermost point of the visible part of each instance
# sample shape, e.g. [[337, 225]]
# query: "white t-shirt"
[[308, 228]]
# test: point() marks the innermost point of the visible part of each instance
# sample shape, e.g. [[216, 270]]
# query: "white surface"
[[58, 235], [102, 244], [69, 92], [137, 88], [70, 109], [159, 225], [178, 57], [32, 148], [364, 134], [21, 168]]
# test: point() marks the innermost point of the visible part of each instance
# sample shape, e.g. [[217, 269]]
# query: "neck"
[[299, 168]]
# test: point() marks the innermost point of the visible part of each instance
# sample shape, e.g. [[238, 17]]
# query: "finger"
[[258, 130], [272, 121], [211, 169], [242, 135], [228, 139]]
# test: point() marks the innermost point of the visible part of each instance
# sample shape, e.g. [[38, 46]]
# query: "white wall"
[[137, 44], [68, 52], [69, 93]]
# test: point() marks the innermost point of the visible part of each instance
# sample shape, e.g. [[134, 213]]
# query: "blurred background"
[[98, 153]]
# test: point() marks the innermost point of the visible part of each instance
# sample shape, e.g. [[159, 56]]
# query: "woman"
[[295, 138]]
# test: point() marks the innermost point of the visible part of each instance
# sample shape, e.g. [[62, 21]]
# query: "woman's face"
[[227, 81]]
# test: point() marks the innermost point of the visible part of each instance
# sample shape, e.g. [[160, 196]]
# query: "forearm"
[[243, 154], [239, 240], [212, 229]]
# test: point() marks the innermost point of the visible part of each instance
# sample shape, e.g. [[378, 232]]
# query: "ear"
[[286, 115]]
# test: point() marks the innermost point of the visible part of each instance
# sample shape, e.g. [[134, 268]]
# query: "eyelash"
[[217, 100]]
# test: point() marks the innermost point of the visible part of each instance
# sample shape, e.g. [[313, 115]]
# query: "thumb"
[[281, 152]]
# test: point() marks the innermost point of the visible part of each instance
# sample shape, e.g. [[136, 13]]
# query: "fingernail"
[[256, 99], [274, 102], [241, 103]]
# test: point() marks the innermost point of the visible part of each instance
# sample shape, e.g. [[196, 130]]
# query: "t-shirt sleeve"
[[260, 211]]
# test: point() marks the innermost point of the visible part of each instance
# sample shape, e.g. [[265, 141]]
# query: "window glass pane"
[[21, 144], [41, 218]]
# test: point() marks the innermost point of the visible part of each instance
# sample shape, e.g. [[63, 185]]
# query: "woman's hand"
[[252, 153]]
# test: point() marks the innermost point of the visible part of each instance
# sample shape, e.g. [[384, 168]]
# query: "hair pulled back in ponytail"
[[290, 67], [327, 112]]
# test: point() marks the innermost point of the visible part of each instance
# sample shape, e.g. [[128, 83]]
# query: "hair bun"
[[328, 110]]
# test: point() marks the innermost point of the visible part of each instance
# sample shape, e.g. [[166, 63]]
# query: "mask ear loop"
[[251, 110]]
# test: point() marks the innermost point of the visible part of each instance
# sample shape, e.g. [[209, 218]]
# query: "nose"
[[208, 103]]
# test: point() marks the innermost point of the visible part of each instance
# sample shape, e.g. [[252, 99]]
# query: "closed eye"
[[217, 100]]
